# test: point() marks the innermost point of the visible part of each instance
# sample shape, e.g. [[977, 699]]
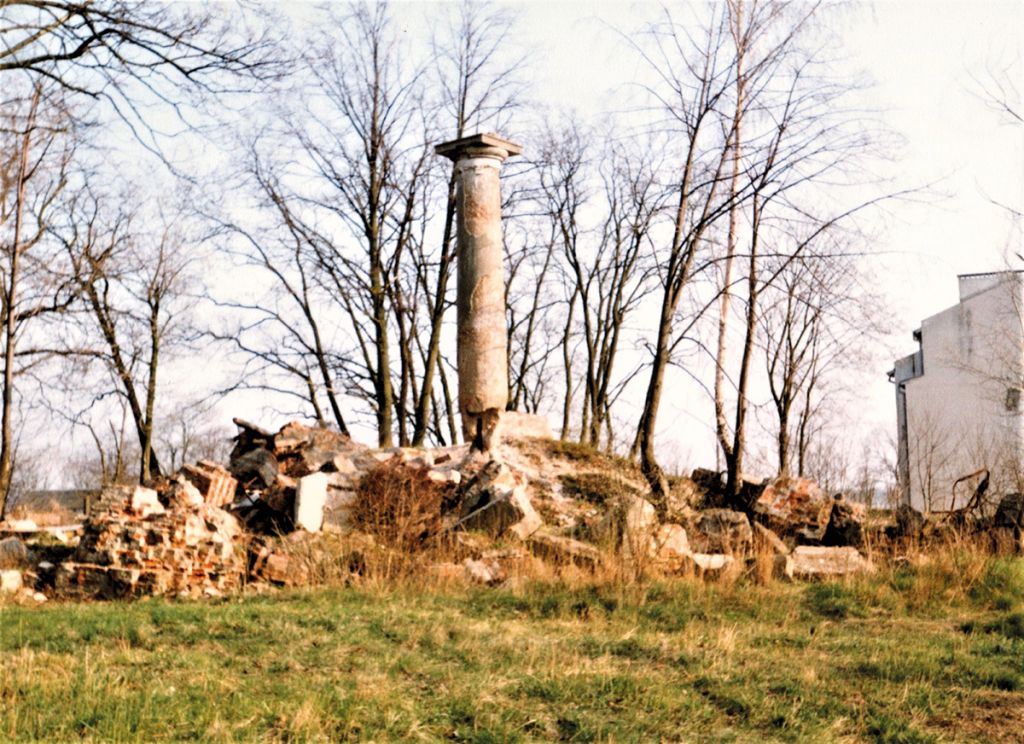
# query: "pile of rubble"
[[210, 529], [174, 540]]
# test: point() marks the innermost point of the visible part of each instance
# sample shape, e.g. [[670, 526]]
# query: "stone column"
[[482, 337]]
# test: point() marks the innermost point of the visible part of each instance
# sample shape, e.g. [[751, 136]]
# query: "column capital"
[[482, 145]]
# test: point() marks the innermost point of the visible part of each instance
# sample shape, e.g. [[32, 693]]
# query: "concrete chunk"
[[310, 500], [10, 580], [815, 562]]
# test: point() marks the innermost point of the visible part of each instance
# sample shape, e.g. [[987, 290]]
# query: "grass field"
[[911, 655]]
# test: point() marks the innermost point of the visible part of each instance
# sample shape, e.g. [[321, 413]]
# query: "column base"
[[482, 429]]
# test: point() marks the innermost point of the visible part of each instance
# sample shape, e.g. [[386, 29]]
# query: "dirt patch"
[[990, 716]]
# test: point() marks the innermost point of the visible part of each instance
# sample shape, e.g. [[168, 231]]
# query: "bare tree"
[[37, 152], [694, 74], [604, 264], [114, 50], [130, 278], [809, 321]]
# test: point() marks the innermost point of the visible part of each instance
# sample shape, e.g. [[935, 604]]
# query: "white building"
[[959, 405]]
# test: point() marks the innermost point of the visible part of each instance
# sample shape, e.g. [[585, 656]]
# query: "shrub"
[[399, 505]]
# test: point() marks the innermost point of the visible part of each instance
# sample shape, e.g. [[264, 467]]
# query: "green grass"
[[671, 661]]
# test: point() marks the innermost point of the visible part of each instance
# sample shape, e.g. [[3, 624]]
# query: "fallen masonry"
[[137, 546], [292, 508]]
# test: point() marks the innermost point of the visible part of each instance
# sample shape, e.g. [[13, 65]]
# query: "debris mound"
[[138, 543]]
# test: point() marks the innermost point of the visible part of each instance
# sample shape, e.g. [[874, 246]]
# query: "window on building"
[[1013, 399]]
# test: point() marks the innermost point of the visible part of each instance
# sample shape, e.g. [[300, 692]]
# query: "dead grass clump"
[[586, 454], [574, 451], [399, 506]]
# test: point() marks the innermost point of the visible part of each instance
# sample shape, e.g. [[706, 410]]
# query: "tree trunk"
[[433, 356], [145, 473], [10, 327], [734, 472]]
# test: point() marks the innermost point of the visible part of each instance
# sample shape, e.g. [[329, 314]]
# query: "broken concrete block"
[[184, 494], [671, 543], [629, 524], [563, 550], [712, 566], [818, 562], [518, 425], [1010, 512], [310, 500], [790, 505], [280, 568], [256, 468], [721, 531], [509, 512], [144, 502], [10, 580], [338, 510], [486, 572], [768, 541], [13, 554], [445, 476], [343, 463], [909, 521]]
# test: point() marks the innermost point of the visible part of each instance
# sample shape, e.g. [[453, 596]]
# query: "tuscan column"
[[482, 337]]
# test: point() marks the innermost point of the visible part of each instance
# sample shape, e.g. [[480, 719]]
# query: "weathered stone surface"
[[13, 553], [482, 334], [793, 504], [818, 562], [144, 502], [488, 572], [641, 519], [563, 550], [310, 501], [845, 523], [768, 541], [712, 566], [671, 543], [10, 580], [509, 512], [721, 531], [518, 425], [684, 496]]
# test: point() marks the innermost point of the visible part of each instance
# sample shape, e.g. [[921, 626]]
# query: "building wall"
[[966, 411]]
